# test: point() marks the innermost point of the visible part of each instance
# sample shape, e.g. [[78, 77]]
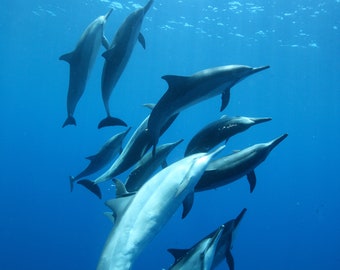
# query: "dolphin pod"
[[148, 199], [81, 61]]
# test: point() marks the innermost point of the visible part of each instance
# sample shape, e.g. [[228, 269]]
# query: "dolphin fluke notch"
[[70, 121], [94, 188], [111, 121]]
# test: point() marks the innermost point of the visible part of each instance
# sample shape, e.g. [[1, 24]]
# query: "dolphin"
[[219, 131], [135, 149], [185, 91], [81, 61], [147, 165], [201, 256], [117, 56], [140, 216], [228, 169], [107, 152], [222, 249]]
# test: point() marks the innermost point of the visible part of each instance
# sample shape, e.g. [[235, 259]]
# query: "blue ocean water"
[[292, 220]]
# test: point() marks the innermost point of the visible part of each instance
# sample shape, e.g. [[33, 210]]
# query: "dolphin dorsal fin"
[[175, 81], [141, 40], [178, 253], [67, 57], [91, 157]]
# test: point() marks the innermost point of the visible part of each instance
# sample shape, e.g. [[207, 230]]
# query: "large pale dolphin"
[[228, 169], [140, 217], [200, 256], [81, 61], [107, 152], [147, 166], [117, 56], [183, 257], [134, 150], [219, 131], [185, 91]]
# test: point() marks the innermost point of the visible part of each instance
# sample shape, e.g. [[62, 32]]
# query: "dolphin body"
[[148, 165], [107, 152], [183, 257], [117, 56], [135, 149], [185, 91], [81, 61], [201, 256], [140, 216], [228, 169], [219, 131]]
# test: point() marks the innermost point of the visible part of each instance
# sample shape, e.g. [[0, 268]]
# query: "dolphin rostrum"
[[228, 169], [81, 61], [117, 56], [139, 217], [185, 91], [107, 152], [184, 257], [219, 131], [148, 165]]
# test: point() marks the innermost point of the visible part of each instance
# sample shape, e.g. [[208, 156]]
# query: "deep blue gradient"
[[292, 220]]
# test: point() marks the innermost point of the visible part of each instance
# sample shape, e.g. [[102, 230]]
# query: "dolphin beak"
[[276, 141], [260, 120], [239, 217], [147, 6], [258, 69], [108, 13]]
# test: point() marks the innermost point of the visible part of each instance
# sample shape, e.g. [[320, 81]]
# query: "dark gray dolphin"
[[134, 150], [228, 169], [81, 61], [219, 131], [148, 165], [184, 92], [222, 251], [107, 152], [117, 56]]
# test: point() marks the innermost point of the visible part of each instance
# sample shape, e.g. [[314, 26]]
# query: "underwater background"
[[293, 218]]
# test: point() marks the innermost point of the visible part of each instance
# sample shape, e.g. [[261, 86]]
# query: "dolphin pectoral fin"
[[178, 253], [122, 200], [67, 57], [71, 182], [94, 188], [230, 259], [69, 121], [252, 180], [105, 43], [187, 204], [141, 40], [111, 121], [225, 99]]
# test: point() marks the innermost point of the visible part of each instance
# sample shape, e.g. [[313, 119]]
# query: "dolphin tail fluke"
[[91, 186], [111, 121], [70, 121]]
